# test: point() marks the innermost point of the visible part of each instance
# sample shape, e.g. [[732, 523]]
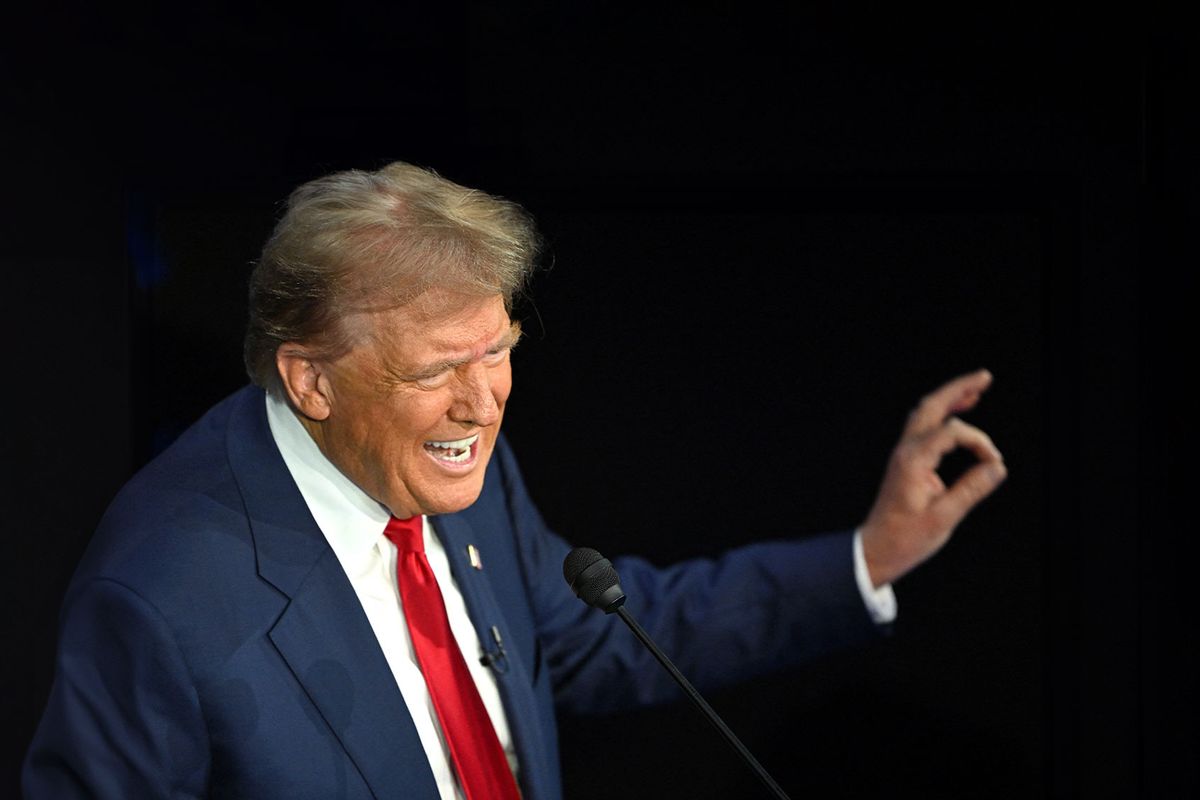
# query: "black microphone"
[[593, 579]]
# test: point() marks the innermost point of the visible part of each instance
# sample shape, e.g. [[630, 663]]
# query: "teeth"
[[457, 444], [455, 452]]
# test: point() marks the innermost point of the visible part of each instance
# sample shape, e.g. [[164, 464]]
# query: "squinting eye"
[[433, 381], [492, 359]]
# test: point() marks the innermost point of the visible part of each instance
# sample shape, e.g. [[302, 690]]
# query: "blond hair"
[[362, 241]]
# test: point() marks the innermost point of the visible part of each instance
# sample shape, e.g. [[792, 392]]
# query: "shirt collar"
[[351, 520]]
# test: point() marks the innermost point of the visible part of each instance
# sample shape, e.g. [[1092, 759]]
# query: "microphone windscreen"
[[593, 579], [577, 561]]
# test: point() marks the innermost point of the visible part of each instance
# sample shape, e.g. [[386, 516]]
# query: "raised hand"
[[915, 512]]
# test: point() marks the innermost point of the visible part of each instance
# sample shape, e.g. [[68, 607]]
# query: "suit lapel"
[[512, 674], [327, 641], [323, 634]]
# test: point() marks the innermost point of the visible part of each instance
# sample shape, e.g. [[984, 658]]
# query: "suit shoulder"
[[183, 507]]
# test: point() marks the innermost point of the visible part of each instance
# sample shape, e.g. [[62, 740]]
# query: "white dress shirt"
[[353, 523], [881, 602]]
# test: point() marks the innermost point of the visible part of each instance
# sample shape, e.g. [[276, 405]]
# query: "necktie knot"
[[406, 534]]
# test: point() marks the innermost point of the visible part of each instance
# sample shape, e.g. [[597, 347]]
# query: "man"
[[335, 584]]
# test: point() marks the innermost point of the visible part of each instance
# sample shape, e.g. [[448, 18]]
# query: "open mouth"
[[458, 451]]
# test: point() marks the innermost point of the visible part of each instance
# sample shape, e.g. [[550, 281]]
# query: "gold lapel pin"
[[473, 554]]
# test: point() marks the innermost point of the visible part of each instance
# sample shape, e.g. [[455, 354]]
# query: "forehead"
[[440, 323]]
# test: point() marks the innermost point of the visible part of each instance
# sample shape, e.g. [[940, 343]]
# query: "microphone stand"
[[704, 707]]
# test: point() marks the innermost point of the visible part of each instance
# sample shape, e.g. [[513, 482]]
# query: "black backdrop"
[[768, 235]]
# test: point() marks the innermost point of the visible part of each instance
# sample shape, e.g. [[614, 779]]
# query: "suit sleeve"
[[123, 719], [753, 610]]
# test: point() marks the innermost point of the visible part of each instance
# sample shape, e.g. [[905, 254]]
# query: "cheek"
[[419, 419], [502, 385], [501, 396]]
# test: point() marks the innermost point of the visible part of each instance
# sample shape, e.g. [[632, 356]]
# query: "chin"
[[454, 502]]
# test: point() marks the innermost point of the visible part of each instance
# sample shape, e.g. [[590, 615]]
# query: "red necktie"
[[474, 747]]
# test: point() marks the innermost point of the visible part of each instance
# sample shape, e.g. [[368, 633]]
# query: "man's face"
[[415, 406]]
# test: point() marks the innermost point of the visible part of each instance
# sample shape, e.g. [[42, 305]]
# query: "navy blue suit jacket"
[[212, 646]]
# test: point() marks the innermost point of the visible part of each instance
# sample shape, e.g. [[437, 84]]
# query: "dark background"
[[768, 235]]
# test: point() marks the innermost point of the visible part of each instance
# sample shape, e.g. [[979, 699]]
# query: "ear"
[[302, 381]]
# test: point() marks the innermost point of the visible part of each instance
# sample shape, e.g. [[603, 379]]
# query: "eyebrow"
[[507, 341]]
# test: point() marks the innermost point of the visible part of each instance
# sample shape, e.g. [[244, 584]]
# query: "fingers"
[[915, 513], [953, 397], [951, 435], [973, 486]]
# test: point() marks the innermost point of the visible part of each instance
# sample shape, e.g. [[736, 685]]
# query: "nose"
[[474, 401]]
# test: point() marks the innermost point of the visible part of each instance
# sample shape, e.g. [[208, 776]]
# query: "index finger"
[[952, 397]]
